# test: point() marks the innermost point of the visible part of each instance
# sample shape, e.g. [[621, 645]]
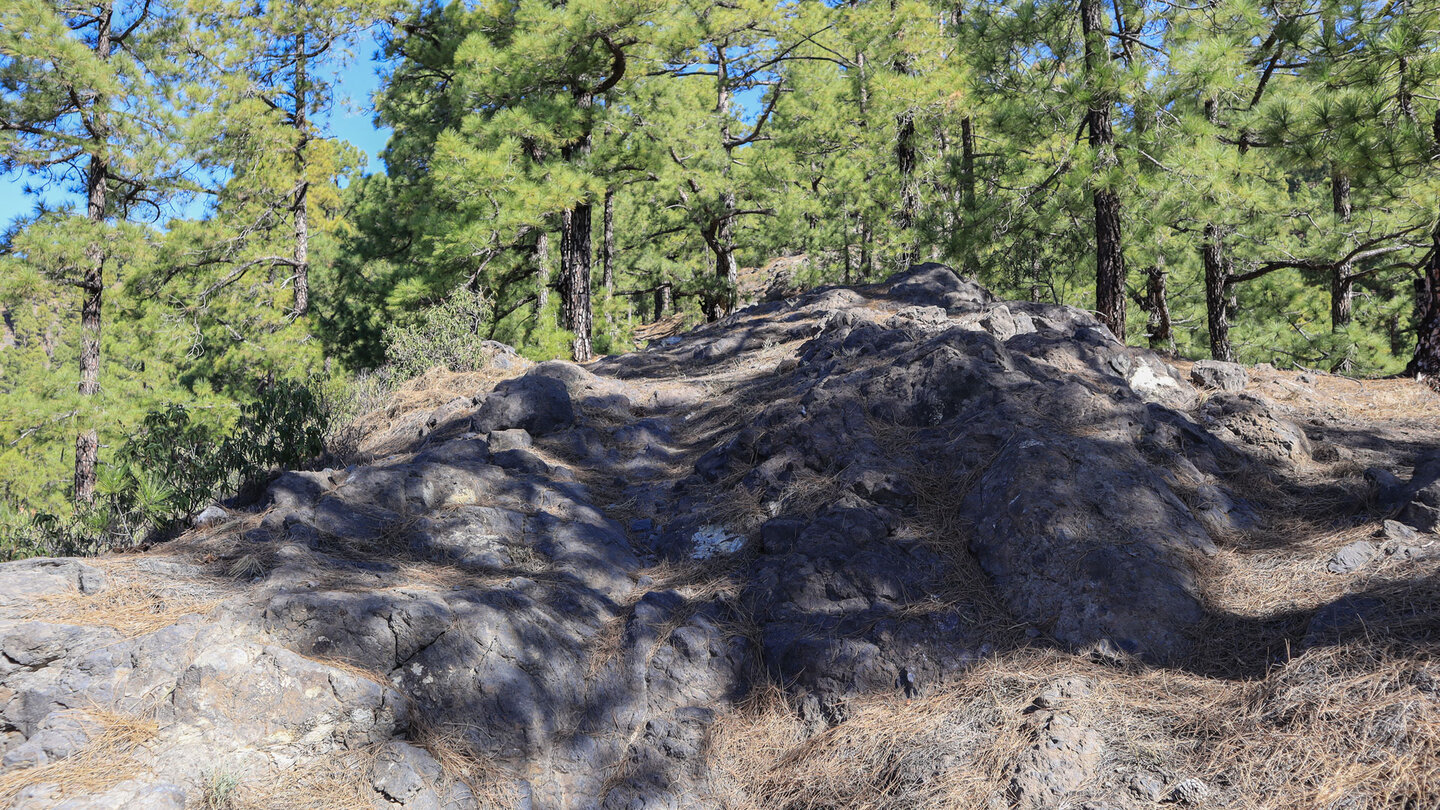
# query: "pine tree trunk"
[[1426, 364], [1157, 307], [905, 214], [87, 443], [1341, 284], [967, 194], [721, 237], [1217, 293], [662, 299], [726, 268], [575, 254], [575, 277], [1109, 252], [302, 193], [849, 259], [541, 259], [607, 251], [867, 266]]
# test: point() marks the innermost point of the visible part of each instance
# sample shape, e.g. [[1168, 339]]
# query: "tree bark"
[[726, 268], [302, 192], [1426, 364], [87, 443], [849, 260], [905, 214], [1217, 293], [607, 251], [720, 234], [541, 259], [1109, 252], [967, 194], [662, 299], [867, 259], [575, 277], [1157, 307], [1341, 284], [575, 252]]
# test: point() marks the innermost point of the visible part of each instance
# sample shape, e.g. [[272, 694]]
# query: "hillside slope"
[[891, 546]]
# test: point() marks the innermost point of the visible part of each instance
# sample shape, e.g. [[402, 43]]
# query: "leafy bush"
[[172, 466], [444, 335], [284, 427]]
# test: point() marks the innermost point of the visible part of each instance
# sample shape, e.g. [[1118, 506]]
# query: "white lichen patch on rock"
[[714, 541]]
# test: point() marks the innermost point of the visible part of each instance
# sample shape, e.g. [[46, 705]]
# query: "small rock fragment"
[[1217, 375], [1353, 557]]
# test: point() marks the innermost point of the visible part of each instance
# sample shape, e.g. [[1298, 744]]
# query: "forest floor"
[[1253, 713], [722, 584]]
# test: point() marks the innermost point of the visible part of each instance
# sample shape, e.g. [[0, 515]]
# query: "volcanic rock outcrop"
[[552, 590]]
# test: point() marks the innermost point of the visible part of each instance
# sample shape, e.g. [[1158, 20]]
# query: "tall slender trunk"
[[302, 191], [575, 252], [540, 257], [967, 194], [849, 260], [541, 260], [607, 250], [727, 269], [1157, 308], [575, 277], [87, 443], [662, 299], [867, 259], [1341, 284], [1426, 363], [905, 213], [1109, 252], [720, 235], [1217, 292]]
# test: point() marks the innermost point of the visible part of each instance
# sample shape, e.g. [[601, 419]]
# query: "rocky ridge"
[[549, 594]]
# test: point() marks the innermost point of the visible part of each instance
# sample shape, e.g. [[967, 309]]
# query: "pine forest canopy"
[[1249, 181]]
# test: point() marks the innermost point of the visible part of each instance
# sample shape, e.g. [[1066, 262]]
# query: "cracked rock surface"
[[547, 593]]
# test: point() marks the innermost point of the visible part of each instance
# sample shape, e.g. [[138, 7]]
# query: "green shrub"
[[170, 468], [283, 427], [444, 335]]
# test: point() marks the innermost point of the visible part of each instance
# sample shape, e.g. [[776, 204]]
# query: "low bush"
[[447, 335], [173, 465]]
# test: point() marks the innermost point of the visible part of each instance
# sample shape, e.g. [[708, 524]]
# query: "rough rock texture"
[[568, 578], [1417, 500], [1218, 375], [1261, 427]]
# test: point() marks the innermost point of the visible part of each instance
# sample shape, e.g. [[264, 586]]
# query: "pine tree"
[[91, 92]]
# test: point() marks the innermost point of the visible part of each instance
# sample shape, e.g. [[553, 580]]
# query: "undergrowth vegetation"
[[175, 462], [180, 458]]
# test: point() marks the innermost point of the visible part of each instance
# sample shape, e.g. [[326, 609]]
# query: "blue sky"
[[350, 118]]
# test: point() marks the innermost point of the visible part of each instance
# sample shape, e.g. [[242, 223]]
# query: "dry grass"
[[492, 785], [135, 605], [1391, 398], [339, 780], [108, 759], [372, 435], [1345, 722], [1352, 722], [946, 749]]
